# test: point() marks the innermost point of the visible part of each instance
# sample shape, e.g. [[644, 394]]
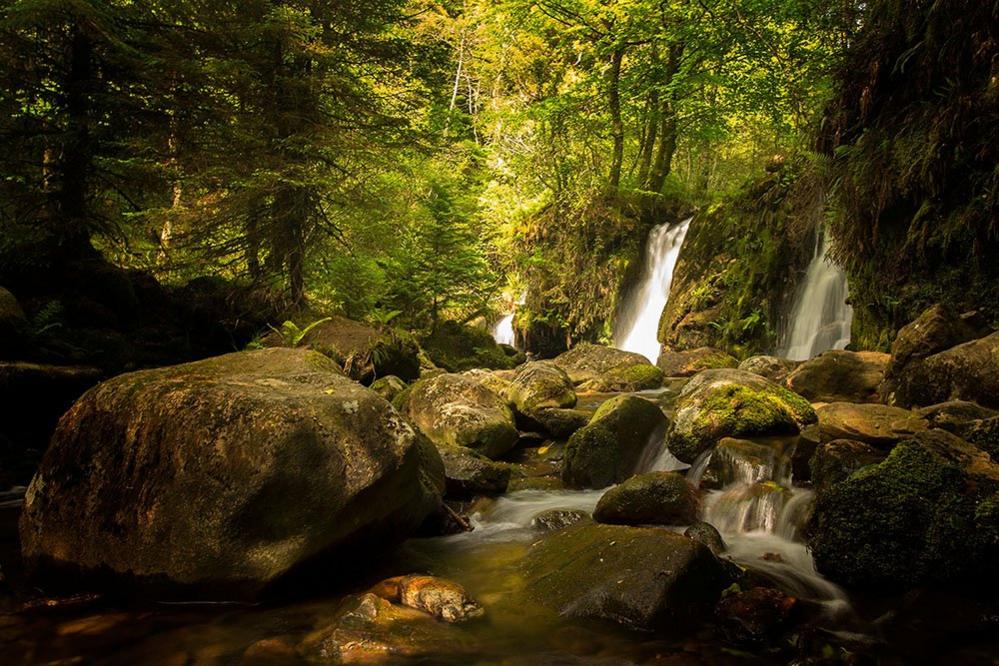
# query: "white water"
[[503, 330], [638, 326], [821, 317]]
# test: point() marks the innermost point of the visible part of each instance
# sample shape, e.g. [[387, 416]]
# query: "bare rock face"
[[840, 376], [226, 474]]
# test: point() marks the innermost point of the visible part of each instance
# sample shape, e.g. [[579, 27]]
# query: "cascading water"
[[503, 330], [638, 326], [821, 317]]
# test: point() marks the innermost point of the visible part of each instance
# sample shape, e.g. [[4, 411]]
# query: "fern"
[[293, 335]]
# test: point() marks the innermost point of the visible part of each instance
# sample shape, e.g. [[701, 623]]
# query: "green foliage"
[[293, 335]]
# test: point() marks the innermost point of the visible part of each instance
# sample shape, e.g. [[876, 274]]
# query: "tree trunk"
[[649, 140], [76, 162], [617, 125]]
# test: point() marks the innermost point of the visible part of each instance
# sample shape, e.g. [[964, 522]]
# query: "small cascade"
[[821, 317], [502, 331], [638, 325]]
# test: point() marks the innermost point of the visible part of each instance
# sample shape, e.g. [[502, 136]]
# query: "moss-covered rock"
[[878, 425], [558, 519], [985, 435], [388, 387], [457, 347], [835, 461], [969, 371], [541, 385], [689, 363], [643, 578], [455, 410], [840, 376], [771, 367], [654, 498], [467, 473], [605, 369], [559, 423], [956, 416], [708, 535], [611, 446], [226, 474], [920, 517], [935, 330], [733, 403]]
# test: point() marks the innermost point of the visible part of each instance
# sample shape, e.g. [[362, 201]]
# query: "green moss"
[[641, 377], [457, 347]]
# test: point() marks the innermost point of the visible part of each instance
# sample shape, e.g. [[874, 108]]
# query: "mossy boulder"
[[558, 519], [925, 515], [654, 498], [689, 363], [559, 423], [388, 387], [880, 426], [540, 385], [985, 435], [840, 376], [365, 352], [969, 371], [606, 369], [642, 578], [956, 416], [224, 475], [835, 461], [457, 347], [708, 535], [467, 473], [733, 403], [456, 410], [497, 381], [609, 449], [771, 367]]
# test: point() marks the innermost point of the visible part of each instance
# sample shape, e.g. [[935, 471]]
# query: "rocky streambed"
[[262, 507]]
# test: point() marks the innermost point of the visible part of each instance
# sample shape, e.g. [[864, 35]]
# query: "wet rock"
[[772, 368], [369, 629], [444, 599], [457, 347], [497, 381], [756, 617], [606, 369], [610, 447], [388, 387], [878, 425], [733, 403], [985, 435], [541, 385], [225, 474], [654, 498], [840, 376], [270, 651], [467, 473], [706, 534], [689, 363], [956, 416], [643, 578], [927, 514], [365, 352], [560, 423], [743, 461], [455, 410], [557, 519], [835, 461], [969, 371]]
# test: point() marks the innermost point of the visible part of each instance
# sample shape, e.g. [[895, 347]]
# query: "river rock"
[[732, 403], [756, 617], [444, 599], [388, 387], [927, 514], [468, 473], [370, 630], [956, 416], [457, 347], [559, 423], [643, 578], [610, 447], [985, 435], [497, 381], [455, 410], [689, 363], [969, 371], [707, 534], [606, 369], [654, 498], [226, 474], [541, 385], [773, 368], [835, 461], [878, 425], [365, 352], [840, 376], [557, 519]]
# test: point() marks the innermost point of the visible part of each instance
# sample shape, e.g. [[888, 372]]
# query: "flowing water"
[[503, 330], [821, 317], [638, 323]]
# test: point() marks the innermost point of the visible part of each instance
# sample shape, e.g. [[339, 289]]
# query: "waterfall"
[[821, 317], [503, 330], [638, 325]]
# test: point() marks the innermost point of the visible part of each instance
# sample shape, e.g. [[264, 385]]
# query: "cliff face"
[[913, 134]]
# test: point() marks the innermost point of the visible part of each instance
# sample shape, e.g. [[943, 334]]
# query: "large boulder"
[[840, 376], [605, 369], [541, 385], [835, 461], [969, 371], [226, 474], [773, 368], [457, 347], [689, 363], [928, 514], [365, 352], [456, 410], [643, 578], [985, 435], [388, 387], [880, 426], [733, 403], [468, 473], [654, 498], [609, 449]]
